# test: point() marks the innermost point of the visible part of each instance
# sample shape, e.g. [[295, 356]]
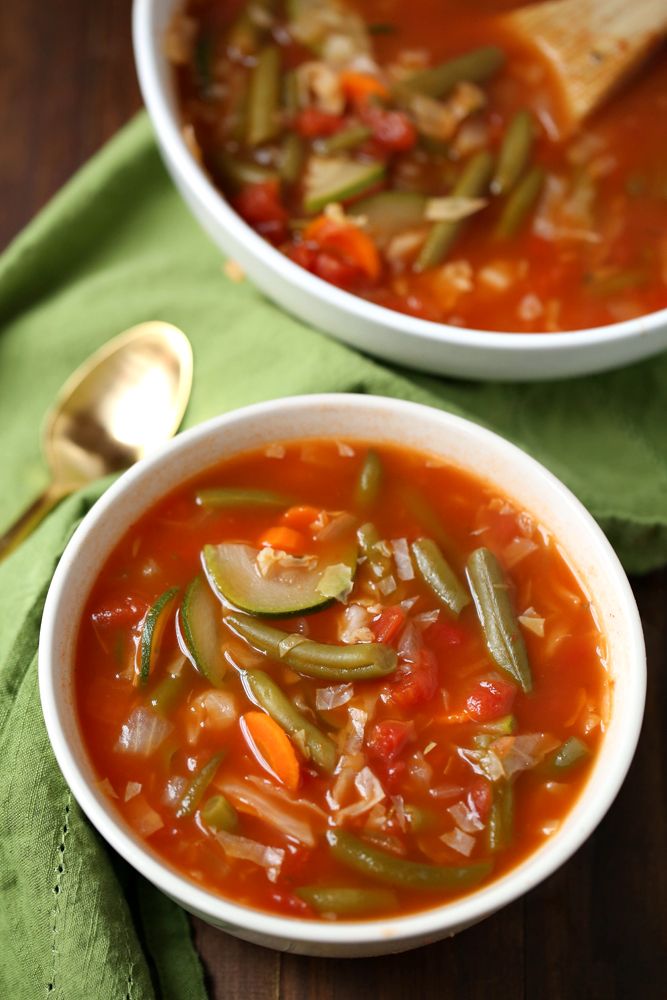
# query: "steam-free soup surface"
[[439, 737]]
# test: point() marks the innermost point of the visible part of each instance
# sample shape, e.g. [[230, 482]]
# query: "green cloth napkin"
[[114, 248]]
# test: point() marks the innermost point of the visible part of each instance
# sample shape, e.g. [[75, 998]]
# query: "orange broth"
[[414, 722], [592, 249]]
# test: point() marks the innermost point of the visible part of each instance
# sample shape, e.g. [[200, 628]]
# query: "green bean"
[[501, 817], [348, 138], [572, 752], [471, 184], [314, 744], [369, 540], [370, 477], [262, 123], [343, 902], [504, 641], [520, 203], [358, 661], [238, 173], [371, 861], [514, 152], [439, 576], [202, 779], [220, 814], [238, 496], [291, 92], [292, 154], [476, 66], [168, 692], [422, 511], [620, 281]]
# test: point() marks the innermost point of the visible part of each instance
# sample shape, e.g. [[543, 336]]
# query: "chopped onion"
[[466, 818], [410, 643], [335, 526], [399, 812], [446, 791], [344, 450], [531, 620], [283, 812], [275, 451], [353, 626], [142, 817], [174, 789], [550, 827], [106, 787], [370, 792], [429, 746], [517, 550], [426, 618], [131, 789], [143, 732], [333, 697], [387, 585], [270, 858], [459, 841], [408, 604], [453, 208], [351, 738], [402, 559]]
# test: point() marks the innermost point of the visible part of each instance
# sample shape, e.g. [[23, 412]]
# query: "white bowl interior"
[[459, 442], [433, 347]]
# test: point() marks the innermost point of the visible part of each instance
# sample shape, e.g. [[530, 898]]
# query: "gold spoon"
[[117, 407]]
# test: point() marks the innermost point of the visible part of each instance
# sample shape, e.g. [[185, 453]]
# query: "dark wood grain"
[[596, 929]]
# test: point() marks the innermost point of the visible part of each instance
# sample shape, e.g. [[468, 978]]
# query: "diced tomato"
[[392, 775], [479, 798], [393, 130], [311, 122], [490, 699], [388, 738], [348, 241], [418, 684], [260, 206], [442, 634], [336, 271], [386, 627]]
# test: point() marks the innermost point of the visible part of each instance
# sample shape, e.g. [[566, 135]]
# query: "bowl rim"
[[423, 925], [149, 59]]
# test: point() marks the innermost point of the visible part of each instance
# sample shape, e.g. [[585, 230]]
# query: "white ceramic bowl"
[[383, 420], [433, 347]]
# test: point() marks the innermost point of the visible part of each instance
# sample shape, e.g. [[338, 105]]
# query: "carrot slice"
[[272, 747], [301, 517], [284, 538], [352, 243], [361, 86]]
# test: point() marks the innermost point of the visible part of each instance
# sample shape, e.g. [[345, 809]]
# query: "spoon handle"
[[26, 522]]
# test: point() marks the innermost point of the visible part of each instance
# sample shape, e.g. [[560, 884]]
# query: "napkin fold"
[[117, 247]]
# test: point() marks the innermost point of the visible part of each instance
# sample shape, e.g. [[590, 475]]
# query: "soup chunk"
[[340, 681]]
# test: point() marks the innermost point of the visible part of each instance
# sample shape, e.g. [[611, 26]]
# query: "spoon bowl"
[[124, 401]]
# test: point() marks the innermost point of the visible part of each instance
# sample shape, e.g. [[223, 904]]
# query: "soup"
[[334, 681], [413, 154]]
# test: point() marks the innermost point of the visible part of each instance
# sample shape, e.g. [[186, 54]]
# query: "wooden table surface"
[[598, 927]]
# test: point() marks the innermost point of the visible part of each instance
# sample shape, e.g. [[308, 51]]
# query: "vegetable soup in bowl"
[[413, 162], [341, 674]]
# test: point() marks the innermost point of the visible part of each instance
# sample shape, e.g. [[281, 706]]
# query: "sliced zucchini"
[[200, 628], [391, 212], [337, 178], [238, 496], [233, 573], [151, 634]]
